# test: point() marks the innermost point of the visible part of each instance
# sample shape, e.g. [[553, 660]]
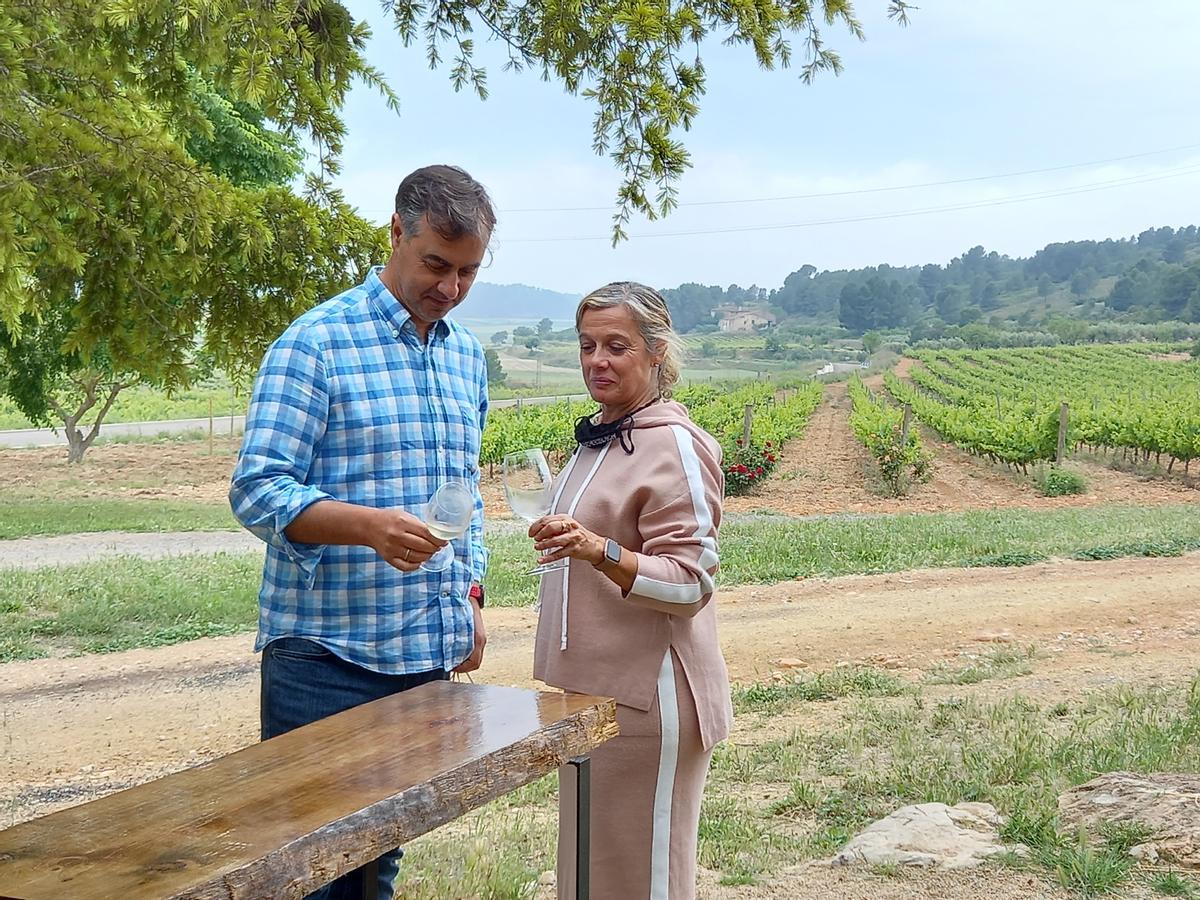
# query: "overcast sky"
[[969, 90]]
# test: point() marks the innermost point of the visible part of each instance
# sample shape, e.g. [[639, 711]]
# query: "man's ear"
[[396, 230]]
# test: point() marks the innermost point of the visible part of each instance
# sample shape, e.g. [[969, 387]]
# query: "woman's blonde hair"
[[653, 319]]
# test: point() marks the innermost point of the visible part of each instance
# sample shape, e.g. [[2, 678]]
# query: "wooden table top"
[[283, 817]]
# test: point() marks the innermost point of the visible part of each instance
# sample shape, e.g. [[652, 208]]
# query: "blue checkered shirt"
[[350, 405]]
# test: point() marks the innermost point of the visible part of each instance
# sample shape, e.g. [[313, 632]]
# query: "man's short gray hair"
[[653, 319], [454, 202]]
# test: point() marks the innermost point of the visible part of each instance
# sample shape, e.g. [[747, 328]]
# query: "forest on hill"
[[1149, 278]]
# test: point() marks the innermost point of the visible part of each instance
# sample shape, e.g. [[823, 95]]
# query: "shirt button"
[[395, 332], [445, 593]]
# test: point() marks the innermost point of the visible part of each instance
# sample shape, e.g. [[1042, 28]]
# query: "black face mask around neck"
[[597, 434]]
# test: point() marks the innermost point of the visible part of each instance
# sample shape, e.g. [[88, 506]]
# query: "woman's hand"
[[559, 537]]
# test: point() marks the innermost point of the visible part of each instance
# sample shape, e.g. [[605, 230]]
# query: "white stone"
[[929, 835]]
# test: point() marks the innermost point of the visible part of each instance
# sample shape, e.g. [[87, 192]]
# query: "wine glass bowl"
[[528, 486], [447, 515]]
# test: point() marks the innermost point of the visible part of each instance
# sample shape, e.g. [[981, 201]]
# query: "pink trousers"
[[645, 793]]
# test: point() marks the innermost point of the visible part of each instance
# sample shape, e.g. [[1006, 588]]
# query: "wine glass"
[[528, 485], [447, 515]]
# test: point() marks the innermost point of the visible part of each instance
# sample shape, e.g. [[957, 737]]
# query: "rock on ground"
[[930, 835], [1166, 804]]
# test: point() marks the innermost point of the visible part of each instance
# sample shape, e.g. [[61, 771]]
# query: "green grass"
[[816, 786], [1172, 884], [771, 549], [737, 842], [1006, 662], [773, 696], [29, 518], [124, 602], [149, 404], [1056, 482], [1088, 869], [188, 436], [754, 549], [498, 853]]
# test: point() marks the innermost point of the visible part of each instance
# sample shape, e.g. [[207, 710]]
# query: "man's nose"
[[449, 287]]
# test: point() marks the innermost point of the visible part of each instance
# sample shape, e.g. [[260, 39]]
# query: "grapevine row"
[[881, 429], [1003, 404], [779, 414]]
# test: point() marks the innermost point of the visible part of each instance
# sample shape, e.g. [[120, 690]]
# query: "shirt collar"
[[392, 310]]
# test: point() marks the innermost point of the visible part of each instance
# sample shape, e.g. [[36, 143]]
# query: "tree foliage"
[[145, 209], [495, 369], [638, 61], [145, 148], [108, 198]]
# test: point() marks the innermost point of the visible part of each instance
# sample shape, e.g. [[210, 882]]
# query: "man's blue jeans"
[[303, 682]]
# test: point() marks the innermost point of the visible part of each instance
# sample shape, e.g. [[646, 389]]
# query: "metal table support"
[[583, 825]]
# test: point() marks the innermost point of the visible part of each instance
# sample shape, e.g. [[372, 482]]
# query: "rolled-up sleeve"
[[288, 413], [479, 551], [679, 557]]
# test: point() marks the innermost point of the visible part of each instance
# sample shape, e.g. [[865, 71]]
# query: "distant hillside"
[[518, 301], [1152, 277]]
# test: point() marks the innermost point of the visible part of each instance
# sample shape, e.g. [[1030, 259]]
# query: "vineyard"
[[724, 341], [778, 413], [887, 434], [1005, 405]]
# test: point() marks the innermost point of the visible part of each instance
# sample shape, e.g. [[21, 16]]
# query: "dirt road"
[[76, 728]]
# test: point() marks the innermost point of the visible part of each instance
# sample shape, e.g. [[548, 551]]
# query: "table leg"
[[370, 880], [583, 825]]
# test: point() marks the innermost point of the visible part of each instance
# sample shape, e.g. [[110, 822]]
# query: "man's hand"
[[473, 662], [402, 539]]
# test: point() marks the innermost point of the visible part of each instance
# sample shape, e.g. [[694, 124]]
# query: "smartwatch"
[[476, 594], [612, 551]]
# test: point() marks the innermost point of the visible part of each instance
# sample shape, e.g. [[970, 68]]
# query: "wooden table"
[[284, 817]]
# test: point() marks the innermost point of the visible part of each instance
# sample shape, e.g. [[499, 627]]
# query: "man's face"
[[433, 274]]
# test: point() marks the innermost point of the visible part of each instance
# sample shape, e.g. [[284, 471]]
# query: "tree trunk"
[[76, 445], [89, 383]]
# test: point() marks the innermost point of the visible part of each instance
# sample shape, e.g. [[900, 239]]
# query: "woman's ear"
[[657, 353]]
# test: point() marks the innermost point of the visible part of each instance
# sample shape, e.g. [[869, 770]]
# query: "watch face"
[[612, 550]]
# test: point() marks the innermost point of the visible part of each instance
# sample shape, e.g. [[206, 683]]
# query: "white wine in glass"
[[445, 532], [447, 515], [528, 485]]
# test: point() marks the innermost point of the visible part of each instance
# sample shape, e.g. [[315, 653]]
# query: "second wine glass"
[[528, 485]]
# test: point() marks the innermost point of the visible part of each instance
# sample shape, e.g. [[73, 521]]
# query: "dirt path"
[[75, 728]]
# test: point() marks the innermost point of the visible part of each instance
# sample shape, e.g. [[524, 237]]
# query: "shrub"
[[747, 466], [1055, 482]]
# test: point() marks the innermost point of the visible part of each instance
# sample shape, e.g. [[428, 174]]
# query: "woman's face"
[[617, 365]]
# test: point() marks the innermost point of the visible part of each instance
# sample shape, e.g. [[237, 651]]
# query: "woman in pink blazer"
[[636, 510]]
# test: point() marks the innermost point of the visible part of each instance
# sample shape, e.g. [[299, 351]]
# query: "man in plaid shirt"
[[361, 408]]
